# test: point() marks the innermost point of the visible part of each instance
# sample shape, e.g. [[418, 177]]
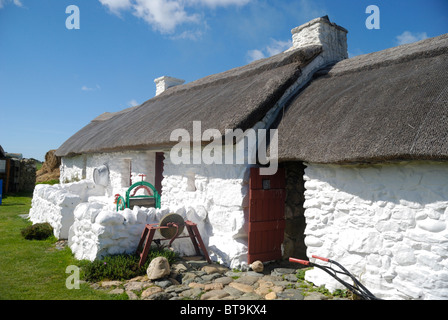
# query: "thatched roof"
[[234, 99], [386, 106]]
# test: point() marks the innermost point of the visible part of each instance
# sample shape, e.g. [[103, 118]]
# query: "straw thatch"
[[237, 98], [390, 105]]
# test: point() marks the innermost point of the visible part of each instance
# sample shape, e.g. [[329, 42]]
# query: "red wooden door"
[[266, 215]]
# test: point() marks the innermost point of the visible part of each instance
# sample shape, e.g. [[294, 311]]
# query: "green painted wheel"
[[121, 204]]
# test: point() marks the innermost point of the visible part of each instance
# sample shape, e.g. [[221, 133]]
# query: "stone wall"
[[27, 179], [387, 224], [119, 164], [294, 243], [222, 191], [98, 230], [55, 204]]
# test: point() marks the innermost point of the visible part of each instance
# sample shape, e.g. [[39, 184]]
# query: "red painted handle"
[[304, 262], [320, 258]]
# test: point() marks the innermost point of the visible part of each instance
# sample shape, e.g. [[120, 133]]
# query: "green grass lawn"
[[32, 269]]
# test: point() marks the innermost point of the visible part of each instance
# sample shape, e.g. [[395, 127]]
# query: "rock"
[[241, 286], [209, 269], [224, 280], [139, 278], [266, 287], [163, 284], [192, 293], [233, 292], [314, 295], [196, 285], [247, 280], [174, 282], [210, 277], [158, 268], [290, 277], [262, 291], [179, 267], [160, 296], [249, 296], [291, 294], [132, 295], [116, 291], [213, 286], [150, 291], [214, 295], [282, 271], [108, 284], [177, 289], [257, 266], [136, 286], [271, 296], [189, 277]]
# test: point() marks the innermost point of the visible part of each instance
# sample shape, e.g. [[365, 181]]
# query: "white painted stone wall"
[[118, 163], [387, 224], [220, 192], [55, 204], [98, 230]]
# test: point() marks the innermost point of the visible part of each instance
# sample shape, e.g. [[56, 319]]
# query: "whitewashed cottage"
[[361, 147]]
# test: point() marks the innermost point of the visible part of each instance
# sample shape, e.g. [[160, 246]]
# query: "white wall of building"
[[119, 164], [221, 192], [387, 224]]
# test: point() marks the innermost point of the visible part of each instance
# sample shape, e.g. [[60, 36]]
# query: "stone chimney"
[[166, 82], [321, 31]]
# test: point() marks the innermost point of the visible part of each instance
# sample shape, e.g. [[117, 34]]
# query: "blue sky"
[[55, 80]]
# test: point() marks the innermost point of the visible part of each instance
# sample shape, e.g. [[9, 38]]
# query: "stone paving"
[[198, 280]]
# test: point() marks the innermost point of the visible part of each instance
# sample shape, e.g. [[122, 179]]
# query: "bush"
[[121, 267], [38, 231]]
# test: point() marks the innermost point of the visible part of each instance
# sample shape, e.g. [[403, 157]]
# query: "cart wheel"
[[169, 233]]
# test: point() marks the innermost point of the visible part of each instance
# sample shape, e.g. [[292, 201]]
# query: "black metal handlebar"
[[358, 288]]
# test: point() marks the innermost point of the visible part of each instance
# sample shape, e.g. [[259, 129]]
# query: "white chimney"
[[166, 82], [321, 31]]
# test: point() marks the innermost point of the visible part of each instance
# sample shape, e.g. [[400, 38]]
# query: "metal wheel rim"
[[169, 233]]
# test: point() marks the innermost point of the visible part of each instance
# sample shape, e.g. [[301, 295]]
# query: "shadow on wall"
[[413, 184]]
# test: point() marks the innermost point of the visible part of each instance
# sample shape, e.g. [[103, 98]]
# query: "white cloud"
[[165, 15], [409, 37], [86, 88], [275, 47], [220, 3], [278, 46], [255, 55], [133, 103], [5, 2], [116, 5]]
